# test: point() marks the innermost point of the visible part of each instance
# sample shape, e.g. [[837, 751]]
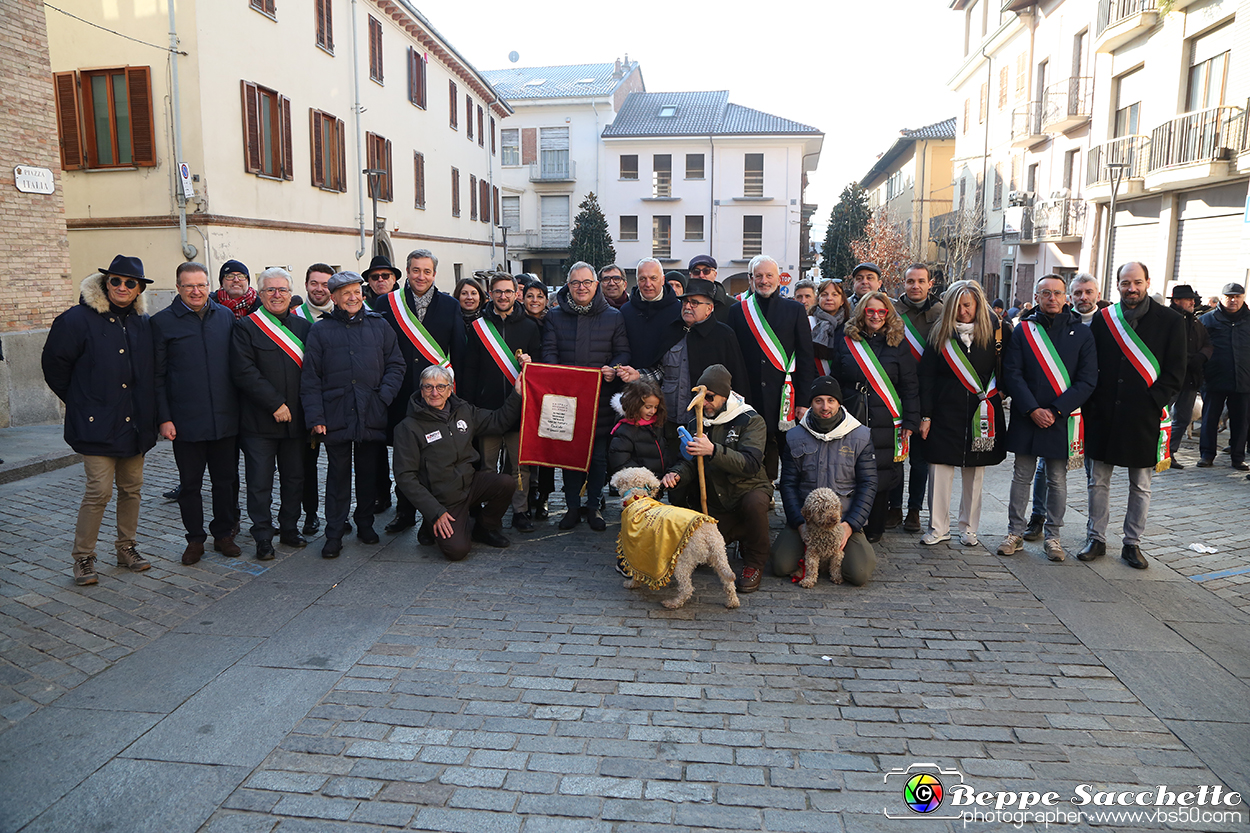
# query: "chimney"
[[627, 60], [616, 73]]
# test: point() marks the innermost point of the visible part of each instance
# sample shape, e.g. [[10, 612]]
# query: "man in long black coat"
[[788, 320], [1123, 415], [266, 356], [98, 360], [439, 314]]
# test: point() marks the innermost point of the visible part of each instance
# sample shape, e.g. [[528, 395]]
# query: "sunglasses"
[[702, 270], [131, 283]]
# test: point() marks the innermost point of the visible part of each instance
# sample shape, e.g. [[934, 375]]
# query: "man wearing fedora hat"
[[98, 360], [1184, 300], [381, 278]]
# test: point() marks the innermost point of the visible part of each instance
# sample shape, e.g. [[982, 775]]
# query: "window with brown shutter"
[[984, 112], [484, 199], [266, 132], [495, 192], [379, 158], [493, 146], [104, 118], [481, 128], [266, 7], [416, 77], [455, 192], [329, 151], [375, 49], [453, 106], [472, 197], [967, 110], [418, 169], [325, 26], [468, 116], [1003, 81], [1022, 69]]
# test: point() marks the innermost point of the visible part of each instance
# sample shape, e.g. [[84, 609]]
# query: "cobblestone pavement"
[[525, 690]]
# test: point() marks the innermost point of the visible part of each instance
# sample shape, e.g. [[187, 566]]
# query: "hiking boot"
[[1011, 545], [84, 571], [128, 557], [912, 522], [749, 581], [1033, 532], [193, 553], [1054, 549]]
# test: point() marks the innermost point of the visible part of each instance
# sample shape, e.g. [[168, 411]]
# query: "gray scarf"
[[578, 308], [420, 303]]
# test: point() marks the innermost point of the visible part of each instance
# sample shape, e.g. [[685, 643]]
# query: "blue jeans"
[[1054, 477]]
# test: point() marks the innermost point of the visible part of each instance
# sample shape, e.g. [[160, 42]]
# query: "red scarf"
[[242, 307]]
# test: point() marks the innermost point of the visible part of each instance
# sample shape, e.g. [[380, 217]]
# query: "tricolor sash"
[[1057, 374], [871, 367], [306, 312], [771, 345], [983, 429], [824, 367], [498, 349], [915, 341], [416, 331], [286, 340], [1147, 366]]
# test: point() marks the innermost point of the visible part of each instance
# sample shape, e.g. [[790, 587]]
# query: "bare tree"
[[960, 236]]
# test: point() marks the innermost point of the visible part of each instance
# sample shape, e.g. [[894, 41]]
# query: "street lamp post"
[[1115, 171]]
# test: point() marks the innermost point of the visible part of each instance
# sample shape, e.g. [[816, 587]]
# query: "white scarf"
[[964, 333]]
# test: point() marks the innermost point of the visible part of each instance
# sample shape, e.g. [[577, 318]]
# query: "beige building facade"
[[276, 111]]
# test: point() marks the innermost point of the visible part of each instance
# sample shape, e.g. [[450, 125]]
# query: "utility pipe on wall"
[[356, 108], [188, 251]]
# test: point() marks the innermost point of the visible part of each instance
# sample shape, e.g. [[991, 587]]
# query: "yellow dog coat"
[[652, 535]]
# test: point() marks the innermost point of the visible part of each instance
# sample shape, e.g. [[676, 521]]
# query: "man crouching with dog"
[[828, 448], [738, 488]]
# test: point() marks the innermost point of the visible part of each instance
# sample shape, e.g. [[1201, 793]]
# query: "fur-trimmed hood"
[[92, 293]]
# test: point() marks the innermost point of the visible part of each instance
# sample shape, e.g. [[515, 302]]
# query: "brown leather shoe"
[[193, 553], [893, 518], [227, 546], [912, 522]]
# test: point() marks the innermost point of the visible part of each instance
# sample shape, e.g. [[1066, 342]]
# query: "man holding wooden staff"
[[737, 487]]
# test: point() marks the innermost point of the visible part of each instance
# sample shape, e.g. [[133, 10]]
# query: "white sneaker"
[[1010, 545], [969, 539], [930, 538]]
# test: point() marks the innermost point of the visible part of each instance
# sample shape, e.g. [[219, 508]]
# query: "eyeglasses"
[[702, 270], [236, 276], [691, 302], [620, 278], [1052, 293], [876, 313], [439, 388], [194, 287], [581, 284], [276, 290], [503, 292], [131, 283]]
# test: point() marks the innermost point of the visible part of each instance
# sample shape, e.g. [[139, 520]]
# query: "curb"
[[38, 465]]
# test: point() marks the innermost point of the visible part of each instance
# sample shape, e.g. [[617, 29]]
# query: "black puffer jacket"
[[353, 369], [645, 323], [98, 360], [1229, 368], [435, 460], [194, 390], [899, 364], [1199, 352], [479, 381], [638, 445], [267, 379], [594, 340]]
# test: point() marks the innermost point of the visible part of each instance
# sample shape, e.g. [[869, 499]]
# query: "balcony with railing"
[[1067, 104], [553, 167], [1130, 151], [1059, 220], [943, 227], [1194, 147], [1026, 125], [1119, 21]]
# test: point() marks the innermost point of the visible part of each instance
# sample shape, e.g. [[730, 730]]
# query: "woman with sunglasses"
[[880, 388]]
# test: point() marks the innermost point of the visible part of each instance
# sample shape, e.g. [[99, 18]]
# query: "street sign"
[[188, 190], [33, 180]]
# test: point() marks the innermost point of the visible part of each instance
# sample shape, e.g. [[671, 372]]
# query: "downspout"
[[802, 194], [360, 141], [188, 251], [985, 157], [922, 184], [490, 178], [596, 112], [711, 197]]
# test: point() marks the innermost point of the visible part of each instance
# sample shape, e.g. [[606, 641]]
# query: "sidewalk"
[[33, 449], [524, 690]]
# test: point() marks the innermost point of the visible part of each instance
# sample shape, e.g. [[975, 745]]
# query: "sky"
[[859, 71]]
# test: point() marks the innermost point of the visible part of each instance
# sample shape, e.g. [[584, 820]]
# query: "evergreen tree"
[[848, 222], [591, 240]]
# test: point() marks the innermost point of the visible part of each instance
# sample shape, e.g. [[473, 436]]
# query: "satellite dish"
[[514, 56]]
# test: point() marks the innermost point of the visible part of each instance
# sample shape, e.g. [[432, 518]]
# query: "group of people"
[[831, 389]]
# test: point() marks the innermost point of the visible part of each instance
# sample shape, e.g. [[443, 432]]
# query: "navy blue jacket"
[[353, 370], [194, 389], [847, 464], [1229, 367], [789, 321], [444, 324], [98, 360], [646, 322], [1029, 387], [267, 379]]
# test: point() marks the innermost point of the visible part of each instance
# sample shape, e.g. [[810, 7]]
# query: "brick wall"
[[35, 280]]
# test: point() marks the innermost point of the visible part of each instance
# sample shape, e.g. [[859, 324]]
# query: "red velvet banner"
[[558, 415]]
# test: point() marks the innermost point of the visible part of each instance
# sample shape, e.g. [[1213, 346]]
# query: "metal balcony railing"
[[553, 237], [662, 246], [1209, 135], [1129, 150], [553, 168], [1111, 12], [1061, 219], [1068, 103], [662, 184], [1026, 122], [943, 226]]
